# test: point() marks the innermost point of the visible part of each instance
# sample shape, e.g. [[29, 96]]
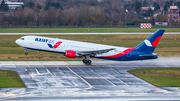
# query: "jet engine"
[[71, 54]]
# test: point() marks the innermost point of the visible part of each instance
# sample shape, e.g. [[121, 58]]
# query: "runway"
[[72, 80]]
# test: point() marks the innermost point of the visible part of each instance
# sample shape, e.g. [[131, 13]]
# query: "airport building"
[[173, 15], [14, 5]]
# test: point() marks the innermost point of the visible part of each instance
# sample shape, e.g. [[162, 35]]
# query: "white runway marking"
[[80, 77]]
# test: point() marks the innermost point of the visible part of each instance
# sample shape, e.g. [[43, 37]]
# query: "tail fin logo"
[[56, 45], [148, 43]]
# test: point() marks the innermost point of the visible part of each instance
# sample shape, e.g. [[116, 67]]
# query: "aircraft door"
[[31, 41]]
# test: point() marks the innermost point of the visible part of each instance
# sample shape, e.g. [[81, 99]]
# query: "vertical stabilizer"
[[151, 42]]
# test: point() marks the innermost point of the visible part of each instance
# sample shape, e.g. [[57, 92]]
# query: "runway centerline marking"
[[37, 71], [79, 77]]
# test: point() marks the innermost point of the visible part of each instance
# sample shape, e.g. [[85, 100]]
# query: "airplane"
[[73, 49]]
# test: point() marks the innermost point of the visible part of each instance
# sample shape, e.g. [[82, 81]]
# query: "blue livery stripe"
[[50, 46]]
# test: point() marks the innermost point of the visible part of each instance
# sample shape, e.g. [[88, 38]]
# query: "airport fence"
[[84, 26]]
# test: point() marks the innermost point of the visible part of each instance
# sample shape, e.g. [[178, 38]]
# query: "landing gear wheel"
[[87, 62], [26, 53]]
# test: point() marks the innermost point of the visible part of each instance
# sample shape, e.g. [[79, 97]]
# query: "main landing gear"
[[26, 53], [86, 60]]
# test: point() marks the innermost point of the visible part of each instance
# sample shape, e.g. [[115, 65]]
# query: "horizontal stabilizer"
[[148, 55]]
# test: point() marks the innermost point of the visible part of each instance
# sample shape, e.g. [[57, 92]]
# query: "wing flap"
[[94, 52]]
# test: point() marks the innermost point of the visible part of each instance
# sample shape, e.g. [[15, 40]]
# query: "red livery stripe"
[[154, 44], [57, 44]]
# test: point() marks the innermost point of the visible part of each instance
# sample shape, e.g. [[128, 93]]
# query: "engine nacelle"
[[71, 54]]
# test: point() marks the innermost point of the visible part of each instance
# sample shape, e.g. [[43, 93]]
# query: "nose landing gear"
[[26, 53]]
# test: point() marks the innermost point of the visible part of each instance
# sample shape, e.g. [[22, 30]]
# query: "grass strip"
[[160, 77], [10, 78]]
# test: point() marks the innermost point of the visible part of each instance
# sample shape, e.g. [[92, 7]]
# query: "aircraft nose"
[[17, 41]]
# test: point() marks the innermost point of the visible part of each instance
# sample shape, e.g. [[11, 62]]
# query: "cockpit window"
[[22, 38]]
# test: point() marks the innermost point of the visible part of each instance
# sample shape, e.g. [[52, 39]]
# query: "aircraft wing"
[[94, 52]]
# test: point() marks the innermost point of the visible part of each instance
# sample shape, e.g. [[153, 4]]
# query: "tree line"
[[78, 12]]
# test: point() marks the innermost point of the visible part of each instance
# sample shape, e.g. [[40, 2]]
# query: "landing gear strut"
[[26, 53], [87, 61]]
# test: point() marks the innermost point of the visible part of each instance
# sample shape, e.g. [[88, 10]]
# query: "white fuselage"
[[31, 42], [72, 49]]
